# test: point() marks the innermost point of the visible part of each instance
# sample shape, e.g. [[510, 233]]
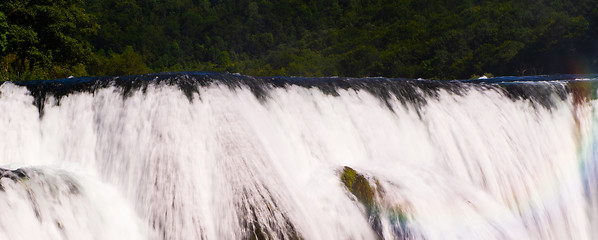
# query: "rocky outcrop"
[[15, 175], [368, 192]]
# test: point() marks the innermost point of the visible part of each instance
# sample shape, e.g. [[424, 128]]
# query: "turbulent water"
[[222, 156]]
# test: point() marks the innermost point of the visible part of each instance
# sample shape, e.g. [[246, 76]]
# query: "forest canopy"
[[433, 39]]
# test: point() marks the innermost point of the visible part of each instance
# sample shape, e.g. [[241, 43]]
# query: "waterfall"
[[223, 156]]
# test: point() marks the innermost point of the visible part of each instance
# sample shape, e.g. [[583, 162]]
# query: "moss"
[[359, 186], [366, 194]]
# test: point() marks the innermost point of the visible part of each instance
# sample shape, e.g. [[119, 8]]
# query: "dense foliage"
[[44, 36], [442, 39]]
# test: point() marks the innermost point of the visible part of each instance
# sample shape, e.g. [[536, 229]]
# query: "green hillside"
[[405, 38]]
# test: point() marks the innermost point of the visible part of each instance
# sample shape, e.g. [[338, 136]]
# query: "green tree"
[[127, 63], [46, 33], [3, 34]]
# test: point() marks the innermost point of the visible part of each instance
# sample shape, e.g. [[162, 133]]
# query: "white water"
[[156, 166]]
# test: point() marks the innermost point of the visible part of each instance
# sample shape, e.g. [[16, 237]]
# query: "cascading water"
[[221, 156]]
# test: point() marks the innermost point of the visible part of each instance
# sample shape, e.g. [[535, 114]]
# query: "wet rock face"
[[34, 177], [379, 211], [359, 186], [259, 223], [409, 92], [15, 175]]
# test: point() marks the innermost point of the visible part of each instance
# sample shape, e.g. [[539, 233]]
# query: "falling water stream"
[[222, 156]]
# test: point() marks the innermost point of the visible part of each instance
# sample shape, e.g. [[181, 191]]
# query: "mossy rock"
[[366, 194], [359, 186]]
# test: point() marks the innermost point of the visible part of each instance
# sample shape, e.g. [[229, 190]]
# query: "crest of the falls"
[[244, 158]]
